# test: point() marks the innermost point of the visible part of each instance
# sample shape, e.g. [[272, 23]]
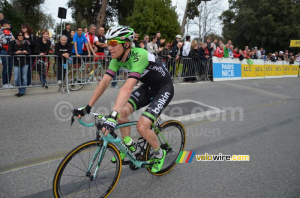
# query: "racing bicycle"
[[89, 171], [79, 76]]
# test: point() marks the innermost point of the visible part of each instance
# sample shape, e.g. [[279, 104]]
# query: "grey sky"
[[51, 7]]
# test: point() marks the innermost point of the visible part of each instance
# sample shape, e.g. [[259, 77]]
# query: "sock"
[[158, 153]]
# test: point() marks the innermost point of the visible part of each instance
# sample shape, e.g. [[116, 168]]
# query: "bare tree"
[[101, 14], [184, 19]]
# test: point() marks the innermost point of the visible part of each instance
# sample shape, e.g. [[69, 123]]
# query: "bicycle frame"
[[111, 139]]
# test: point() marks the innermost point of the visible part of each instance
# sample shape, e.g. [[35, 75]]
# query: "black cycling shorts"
[[157, 99]]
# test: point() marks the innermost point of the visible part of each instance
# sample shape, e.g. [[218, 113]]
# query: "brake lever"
[[72, 118]]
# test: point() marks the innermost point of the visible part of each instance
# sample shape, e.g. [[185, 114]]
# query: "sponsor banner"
[[295, 43], [253, 71], [273, 69], [290, 70], [226, 69]]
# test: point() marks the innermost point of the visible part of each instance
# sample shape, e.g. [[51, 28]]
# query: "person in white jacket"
[[186, 46]]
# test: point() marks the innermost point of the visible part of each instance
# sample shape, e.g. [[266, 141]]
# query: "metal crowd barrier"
[[78, 71], [47, 69], [186, 67]]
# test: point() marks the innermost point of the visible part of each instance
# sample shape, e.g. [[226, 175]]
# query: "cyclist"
[[156, 91]]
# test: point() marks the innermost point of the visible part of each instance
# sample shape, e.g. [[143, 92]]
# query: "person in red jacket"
[[220, 51], [236, 53]]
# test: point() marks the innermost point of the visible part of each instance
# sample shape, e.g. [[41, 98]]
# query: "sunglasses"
[[20, 35], [23, 27], [114, 42]]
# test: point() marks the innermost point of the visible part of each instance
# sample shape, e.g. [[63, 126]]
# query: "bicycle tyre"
[[172, 157], [62, 174], [75, 80]]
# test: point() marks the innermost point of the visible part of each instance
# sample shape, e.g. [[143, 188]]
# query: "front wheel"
[[172, 139], [74, 175], [76, 79]]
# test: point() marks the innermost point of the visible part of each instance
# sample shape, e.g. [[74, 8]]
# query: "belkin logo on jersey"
[[159, 69], [161, 103]]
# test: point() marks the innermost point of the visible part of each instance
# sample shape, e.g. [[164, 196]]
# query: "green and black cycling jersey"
[[143, 66]]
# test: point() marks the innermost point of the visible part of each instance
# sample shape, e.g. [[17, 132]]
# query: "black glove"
[[82, 110]]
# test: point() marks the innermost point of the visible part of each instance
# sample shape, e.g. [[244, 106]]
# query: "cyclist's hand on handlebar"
[[110, 123], [82, 111]]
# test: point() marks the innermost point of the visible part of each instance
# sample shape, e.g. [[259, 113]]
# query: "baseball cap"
[[178, 36], [5, 21]]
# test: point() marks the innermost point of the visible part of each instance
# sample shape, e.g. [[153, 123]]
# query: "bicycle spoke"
[[83, 161], [78, 188], [77, 167], [97, 187]]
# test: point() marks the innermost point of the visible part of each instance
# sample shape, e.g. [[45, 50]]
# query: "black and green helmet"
[[121, 33]]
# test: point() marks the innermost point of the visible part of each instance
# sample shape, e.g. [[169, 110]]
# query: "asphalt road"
[[36, 134]]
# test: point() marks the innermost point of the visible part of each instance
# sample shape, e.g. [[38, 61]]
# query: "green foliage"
[[14, 17], [84, 9], [26, 11], [262, 23], [192, 10], [148, 17]]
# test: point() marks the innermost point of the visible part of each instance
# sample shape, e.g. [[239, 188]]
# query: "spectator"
[[158, 35], [276, 55], [30, 38], [20, 47], [208, 41], [162, 41], [101, 45], [142, 44], [236, 53], [186, 46], [78, 41], [230, 51], [193, 53], [176, 54], [92, 39], [6, 37], [152, 46], [298, 57], [269, 57], [163, 54], [146, 39], [1, 16], [273, 58], [43, 48], [229, 42], [280, 56], [253, 54], [246, 53], [203, 56], [258, 53], [135, 40], [213, 47], [178, 39], [226, 51], [85, 30], [220, 51], [246, 50], [67, 32], [287, 57], [220, 42], [63, 50]]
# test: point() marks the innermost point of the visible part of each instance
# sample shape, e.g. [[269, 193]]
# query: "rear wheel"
[[172, 139], [72, 178]]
